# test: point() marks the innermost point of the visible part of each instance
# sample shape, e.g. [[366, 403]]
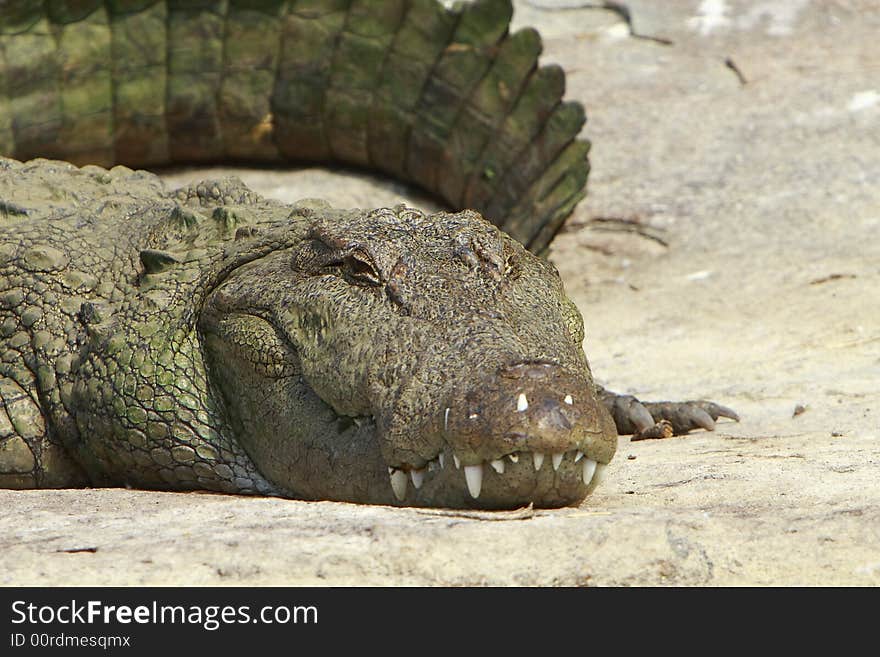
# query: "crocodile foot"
[[662, 419]]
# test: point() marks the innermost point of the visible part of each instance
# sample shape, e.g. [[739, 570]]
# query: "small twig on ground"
[[90, 550], [623, 225], [729, 63], [830, 277], [523, 513]]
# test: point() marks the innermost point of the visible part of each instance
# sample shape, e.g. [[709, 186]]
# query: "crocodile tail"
[[54, 57], [446, 98]]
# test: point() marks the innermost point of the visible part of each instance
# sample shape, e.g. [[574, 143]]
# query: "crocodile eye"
[[358, 268], [351, 262]]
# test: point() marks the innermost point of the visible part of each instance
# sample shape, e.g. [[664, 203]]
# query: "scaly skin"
[[443, 98], [210, 339]]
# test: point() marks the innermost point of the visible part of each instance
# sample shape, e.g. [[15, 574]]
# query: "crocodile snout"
[[533, 406], [531, 431]]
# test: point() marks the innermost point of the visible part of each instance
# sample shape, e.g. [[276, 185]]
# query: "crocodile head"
[[396, 357]]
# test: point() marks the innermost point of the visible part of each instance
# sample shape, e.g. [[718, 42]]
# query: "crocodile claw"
[[662, 419], [689, 415]]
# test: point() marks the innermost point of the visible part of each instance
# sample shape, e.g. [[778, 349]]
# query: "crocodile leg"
[[661, 419]]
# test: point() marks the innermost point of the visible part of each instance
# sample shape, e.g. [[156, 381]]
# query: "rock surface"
[[728, 249]]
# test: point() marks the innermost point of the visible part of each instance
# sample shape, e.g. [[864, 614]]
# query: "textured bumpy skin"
[[207, 338], [210, 339], [445, 98]]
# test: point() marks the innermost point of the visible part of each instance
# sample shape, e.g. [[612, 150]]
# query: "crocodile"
[[207, 338]]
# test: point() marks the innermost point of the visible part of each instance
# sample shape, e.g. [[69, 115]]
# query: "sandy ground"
[[728, 250]]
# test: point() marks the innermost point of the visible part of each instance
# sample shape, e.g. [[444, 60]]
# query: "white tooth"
[[418, 477], [539, 459], [398, 483], [456, 461], [442, 458], [589, 469], [473, 474], [568, 400], [522, 404], [445, 420], [557, 460], [514, 458], [578, 456], [497, 465], [600, 473]]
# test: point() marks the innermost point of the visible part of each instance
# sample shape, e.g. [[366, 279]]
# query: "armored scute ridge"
[[447, 99], [207, 338]]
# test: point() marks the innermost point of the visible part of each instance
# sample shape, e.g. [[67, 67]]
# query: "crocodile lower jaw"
[[563, 462]]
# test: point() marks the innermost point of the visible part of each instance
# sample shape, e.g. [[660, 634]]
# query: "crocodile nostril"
[[546, 413], [535, 370], [554, 416]]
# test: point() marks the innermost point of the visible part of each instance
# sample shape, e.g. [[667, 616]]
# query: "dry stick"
[[523, 513]]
